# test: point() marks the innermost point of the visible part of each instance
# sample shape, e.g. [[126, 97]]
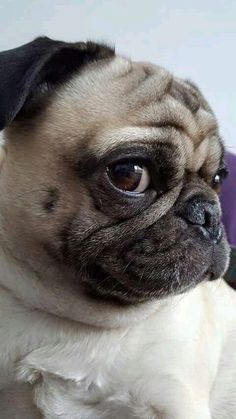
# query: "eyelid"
[[129, 156], [223, 171], [226, 171], [91, 163]]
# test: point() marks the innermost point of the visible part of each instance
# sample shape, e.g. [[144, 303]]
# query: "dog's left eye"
[[129, 176], [219, 177]]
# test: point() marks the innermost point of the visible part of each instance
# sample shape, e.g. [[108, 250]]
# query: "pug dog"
[[112, 251]]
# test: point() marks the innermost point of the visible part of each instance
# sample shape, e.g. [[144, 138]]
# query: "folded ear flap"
[[27, 70]]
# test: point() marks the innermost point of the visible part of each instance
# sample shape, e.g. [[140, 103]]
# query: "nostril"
[[209, 219], [215, 232], [193, 213]]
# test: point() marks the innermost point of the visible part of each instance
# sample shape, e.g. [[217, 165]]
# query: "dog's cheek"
[[69, 217], [33, 212]]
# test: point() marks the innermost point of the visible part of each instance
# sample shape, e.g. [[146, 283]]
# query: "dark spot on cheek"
[[50, 202]]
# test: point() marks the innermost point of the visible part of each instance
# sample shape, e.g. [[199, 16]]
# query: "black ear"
[[24, 71]]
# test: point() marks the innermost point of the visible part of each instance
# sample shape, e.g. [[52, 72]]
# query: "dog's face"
[[112, 176]]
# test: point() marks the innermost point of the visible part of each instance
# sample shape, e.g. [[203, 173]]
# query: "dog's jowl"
[[112, 251]]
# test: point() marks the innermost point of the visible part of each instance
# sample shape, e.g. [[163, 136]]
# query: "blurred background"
[[196, 40]]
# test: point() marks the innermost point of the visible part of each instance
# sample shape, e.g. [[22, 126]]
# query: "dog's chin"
[[136, 274]]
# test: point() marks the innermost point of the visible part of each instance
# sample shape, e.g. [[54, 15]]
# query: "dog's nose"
[[205, 214]]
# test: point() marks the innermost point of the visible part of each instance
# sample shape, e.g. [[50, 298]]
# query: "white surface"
[[196, 40]]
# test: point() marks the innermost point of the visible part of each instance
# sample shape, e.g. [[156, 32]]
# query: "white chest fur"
[[164, 367]]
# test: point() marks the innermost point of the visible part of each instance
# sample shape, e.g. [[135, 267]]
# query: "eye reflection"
[[219, 177]]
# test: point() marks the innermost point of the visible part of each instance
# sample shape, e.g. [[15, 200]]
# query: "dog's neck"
[[59, 298]]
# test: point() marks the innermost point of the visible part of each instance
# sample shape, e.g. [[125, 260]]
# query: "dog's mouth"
[[142, 272], [96, 286]]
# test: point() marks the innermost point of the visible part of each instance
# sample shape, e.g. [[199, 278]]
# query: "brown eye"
[[129, 176]]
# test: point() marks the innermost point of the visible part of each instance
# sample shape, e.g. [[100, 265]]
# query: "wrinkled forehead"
[[123, 102]]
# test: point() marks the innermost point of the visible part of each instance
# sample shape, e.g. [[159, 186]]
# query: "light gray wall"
[[194, 39]]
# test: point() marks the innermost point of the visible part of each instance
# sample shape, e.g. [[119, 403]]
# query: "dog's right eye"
[[129, 176]]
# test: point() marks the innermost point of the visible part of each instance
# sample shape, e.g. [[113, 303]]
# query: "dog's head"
[[112, 173]]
